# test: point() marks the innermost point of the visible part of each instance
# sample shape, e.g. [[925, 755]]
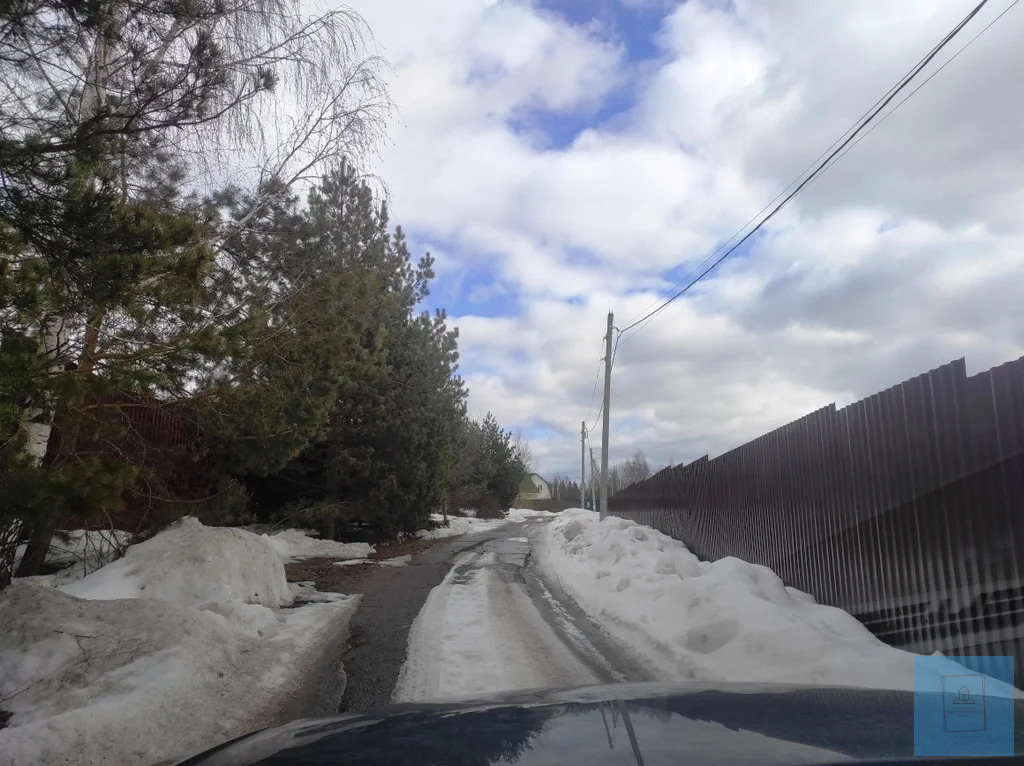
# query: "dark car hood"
[[614, 724]]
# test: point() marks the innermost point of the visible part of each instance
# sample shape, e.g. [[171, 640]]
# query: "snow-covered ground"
[[479, 632], [726, 620], [458, 525], [566, 599], [525, 514], [187, 640], [294, 544], [180, 644]]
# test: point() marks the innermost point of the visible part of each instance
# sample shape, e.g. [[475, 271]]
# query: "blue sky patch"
[[635, 27], [475, 289], [688, 270], [558, 130]]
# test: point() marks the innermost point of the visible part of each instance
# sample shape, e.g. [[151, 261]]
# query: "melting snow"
[[180, 644], [726, 620], [293, 544]]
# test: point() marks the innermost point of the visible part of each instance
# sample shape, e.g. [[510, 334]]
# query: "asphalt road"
[[375, 649], [379, 631]]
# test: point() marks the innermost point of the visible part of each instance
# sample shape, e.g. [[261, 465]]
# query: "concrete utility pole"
[[583, 464], [604, 416]]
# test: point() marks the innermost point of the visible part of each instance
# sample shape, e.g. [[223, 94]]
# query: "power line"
[[600, 409], [615, 349], [593, 393], [879, 106], [791, 184], [597, 417], [925, 82]]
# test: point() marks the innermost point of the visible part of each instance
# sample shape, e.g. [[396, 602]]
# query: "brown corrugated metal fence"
[[905, 509], [162, 441]]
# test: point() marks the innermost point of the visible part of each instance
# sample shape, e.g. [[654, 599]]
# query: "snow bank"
[[525, 514], [726, 620], [294, 544], [457, 525], [178, 645], [192, 565]]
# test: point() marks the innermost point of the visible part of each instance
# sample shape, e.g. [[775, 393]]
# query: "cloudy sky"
[[565, 158]]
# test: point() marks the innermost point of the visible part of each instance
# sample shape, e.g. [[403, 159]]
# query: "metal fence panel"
[[905, 508]]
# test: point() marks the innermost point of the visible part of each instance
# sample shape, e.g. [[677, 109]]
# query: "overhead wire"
[[597, 417], [792, 183], [593, 392], [611, 366], [849, 137], [923, 83], [848, 149]]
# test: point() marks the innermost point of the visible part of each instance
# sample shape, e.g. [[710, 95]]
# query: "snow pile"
[[293, 544], [525, 514], [712, 621], [458, 525], [192, 565], [178, 645]]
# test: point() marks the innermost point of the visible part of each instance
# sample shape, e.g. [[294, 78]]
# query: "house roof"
[[528, 486]]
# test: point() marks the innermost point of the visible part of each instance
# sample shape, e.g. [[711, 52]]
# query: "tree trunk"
[[38, 427], [41, 443], [39, 419], [38, 546], [61, 445]]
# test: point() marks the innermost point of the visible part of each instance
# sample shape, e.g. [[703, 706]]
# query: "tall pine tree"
[[390, 427]]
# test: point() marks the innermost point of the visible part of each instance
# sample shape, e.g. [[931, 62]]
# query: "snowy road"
[[497, 622]]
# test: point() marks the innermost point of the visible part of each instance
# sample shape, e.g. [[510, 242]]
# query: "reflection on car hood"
[[596, 725]]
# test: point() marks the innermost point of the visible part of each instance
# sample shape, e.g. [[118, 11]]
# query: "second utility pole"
[[583, 465], [604, 421]]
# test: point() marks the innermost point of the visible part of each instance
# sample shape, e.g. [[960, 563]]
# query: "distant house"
[[534, 487]]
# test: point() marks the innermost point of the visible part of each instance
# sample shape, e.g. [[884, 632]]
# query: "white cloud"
[[905, 255]]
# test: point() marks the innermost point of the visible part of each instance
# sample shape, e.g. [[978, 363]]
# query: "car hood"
[[597, 725]]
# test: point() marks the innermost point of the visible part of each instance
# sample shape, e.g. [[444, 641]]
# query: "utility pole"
[[583, 465], [604, 416], [593, 478]]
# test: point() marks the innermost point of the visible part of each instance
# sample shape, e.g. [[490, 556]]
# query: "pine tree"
[[490, 465], [379, 462], [110, 112], [291, 351]]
